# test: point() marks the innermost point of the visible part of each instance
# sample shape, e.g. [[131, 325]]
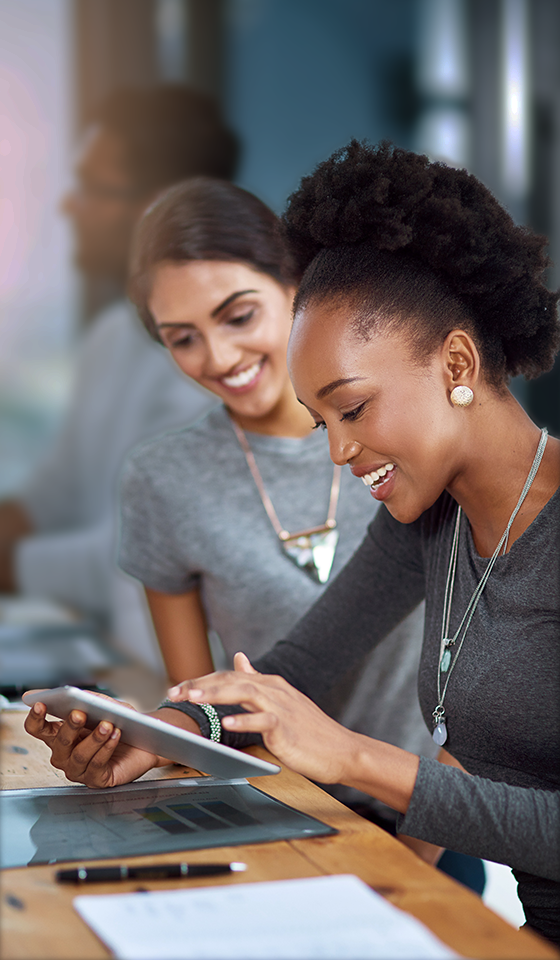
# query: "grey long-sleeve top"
[[503, 699]]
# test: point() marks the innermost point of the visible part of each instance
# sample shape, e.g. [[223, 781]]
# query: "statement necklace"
[[312, 550], [445, 666]]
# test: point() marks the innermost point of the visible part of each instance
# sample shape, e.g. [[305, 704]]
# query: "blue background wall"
[[304, 76]]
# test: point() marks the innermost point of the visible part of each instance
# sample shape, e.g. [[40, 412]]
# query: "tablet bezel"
[[155, 736]]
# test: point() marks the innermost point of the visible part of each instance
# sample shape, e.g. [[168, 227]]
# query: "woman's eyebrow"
[[334, 385], [160, 326], [225, 303]]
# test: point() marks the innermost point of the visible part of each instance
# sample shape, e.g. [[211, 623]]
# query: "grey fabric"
[[503, 700], [192, 516], [495, 810], [126, 389]]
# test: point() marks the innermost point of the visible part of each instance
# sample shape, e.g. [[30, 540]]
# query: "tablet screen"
[[158, 816]]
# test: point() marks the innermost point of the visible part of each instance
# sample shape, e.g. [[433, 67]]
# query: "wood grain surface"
[[39, 922]]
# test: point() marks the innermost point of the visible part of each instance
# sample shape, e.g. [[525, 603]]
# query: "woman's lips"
[[244, 380], [373, 476], [384, 487]]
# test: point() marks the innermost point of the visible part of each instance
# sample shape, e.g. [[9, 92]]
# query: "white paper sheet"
[[335, 917]]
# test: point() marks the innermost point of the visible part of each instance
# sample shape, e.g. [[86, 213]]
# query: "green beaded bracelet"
[[214, 721]]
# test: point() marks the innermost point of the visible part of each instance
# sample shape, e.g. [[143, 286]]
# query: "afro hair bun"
[[396, 200]]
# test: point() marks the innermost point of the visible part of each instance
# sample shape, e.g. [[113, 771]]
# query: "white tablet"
[[153, 735]]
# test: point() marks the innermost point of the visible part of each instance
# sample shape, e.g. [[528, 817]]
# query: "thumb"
[[242, 664]]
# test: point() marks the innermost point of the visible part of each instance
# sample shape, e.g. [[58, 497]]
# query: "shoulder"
[[190, 453], [115, 321]]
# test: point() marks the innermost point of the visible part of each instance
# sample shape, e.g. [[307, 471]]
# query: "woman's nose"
[[221, 356], [342, 449]]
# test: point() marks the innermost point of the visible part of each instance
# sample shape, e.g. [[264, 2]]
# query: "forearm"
[[177, 719], [180, 624], [14, 525], [486, 818], [328, 641], [379, 769], [430, 852], [15, 521]]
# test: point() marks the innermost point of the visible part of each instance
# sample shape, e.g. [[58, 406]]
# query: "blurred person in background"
[[57, 538]]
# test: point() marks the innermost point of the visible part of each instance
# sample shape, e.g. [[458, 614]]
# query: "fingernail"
[[195, 694], [36, 708], [75, 718], [104, 728], [174, 692], [116, 733], [228, 722]]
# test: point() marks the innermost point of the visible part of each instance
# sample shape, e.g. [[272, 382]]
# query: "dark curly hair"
[[205, 219], [406, 241]]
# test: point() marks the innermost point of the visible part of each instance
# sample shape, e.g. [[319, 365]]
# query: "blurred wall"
[[304, 76], [36, 279]]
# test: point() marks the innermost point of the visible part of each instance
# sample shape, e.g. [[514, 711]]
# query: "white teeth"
[[244, 377], [370, 478]]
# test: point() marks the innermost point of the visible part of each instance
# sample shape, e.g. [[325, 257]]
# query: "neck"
[[288, 418], [496, 458]]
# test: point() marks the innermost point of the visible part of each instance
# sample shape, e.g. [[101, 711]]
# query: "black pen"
[[156, 871]]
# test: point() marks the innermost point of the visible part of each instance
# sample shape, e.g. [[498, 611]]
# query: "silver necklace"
[[313, 549], [445, 666]]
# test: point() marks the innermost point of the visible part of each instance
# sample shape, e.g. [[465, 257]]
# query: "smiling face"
[[386, 414], [227, 326]]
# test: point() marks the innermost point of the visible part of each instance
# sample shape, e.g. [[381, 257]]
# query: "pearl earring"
[[461, 396]]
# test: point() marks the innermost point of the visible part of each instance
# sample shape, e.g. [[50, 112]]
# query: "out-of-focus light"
[[443, 79], [444, 134], [171, 37], [443, 63], [515, 95]]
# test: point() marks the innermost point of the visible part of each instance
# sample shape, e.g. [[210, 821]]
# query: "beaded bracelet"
[[214, 721]]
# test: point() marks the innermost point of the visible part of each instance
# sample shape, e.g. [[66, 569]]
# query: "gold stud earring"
[[461, 396]]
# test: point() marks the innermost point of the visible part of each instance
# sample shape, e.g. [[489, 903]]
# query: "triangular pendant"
[[314, 553]]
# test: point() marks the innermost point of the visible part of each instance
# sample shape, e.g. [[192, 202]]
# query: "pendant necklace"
[[311, 550], [445, 664]]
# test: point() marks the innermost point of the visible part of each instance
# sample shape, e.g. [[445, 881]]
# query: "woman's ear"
[[461, 360]]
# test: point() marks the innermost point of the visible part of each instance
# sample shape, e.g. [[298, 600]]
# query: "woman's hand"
[[296, 731], [293, 728], [95, 758]]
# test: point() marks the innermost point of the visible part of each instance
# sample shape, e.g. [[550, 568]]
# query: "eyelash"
[[234, 321], [239, 321], [351, 416]]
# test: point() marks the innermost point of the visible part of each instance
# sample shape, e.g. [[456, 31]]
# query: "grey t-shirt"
[[191, 516], [503, 699]]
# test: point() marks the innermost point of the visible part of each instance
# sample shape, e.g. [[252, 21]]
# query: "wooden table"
[[39, 922]]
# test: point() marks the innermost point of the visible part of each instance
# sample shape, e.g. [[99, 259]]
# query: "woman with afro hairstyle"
[[418, 292], [419, 299]]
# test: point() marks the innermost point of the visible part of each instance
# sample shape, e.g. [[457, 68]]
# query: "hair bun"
[[390, 199], [360, 193]]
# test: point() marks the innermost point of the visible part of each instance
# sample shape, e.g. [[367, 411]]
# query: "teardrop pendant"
[[439, 735], [445, 661]]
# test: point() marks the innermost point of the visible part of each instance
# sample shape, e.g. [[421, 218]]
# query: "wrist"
[[380, 769], [177, 718]]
